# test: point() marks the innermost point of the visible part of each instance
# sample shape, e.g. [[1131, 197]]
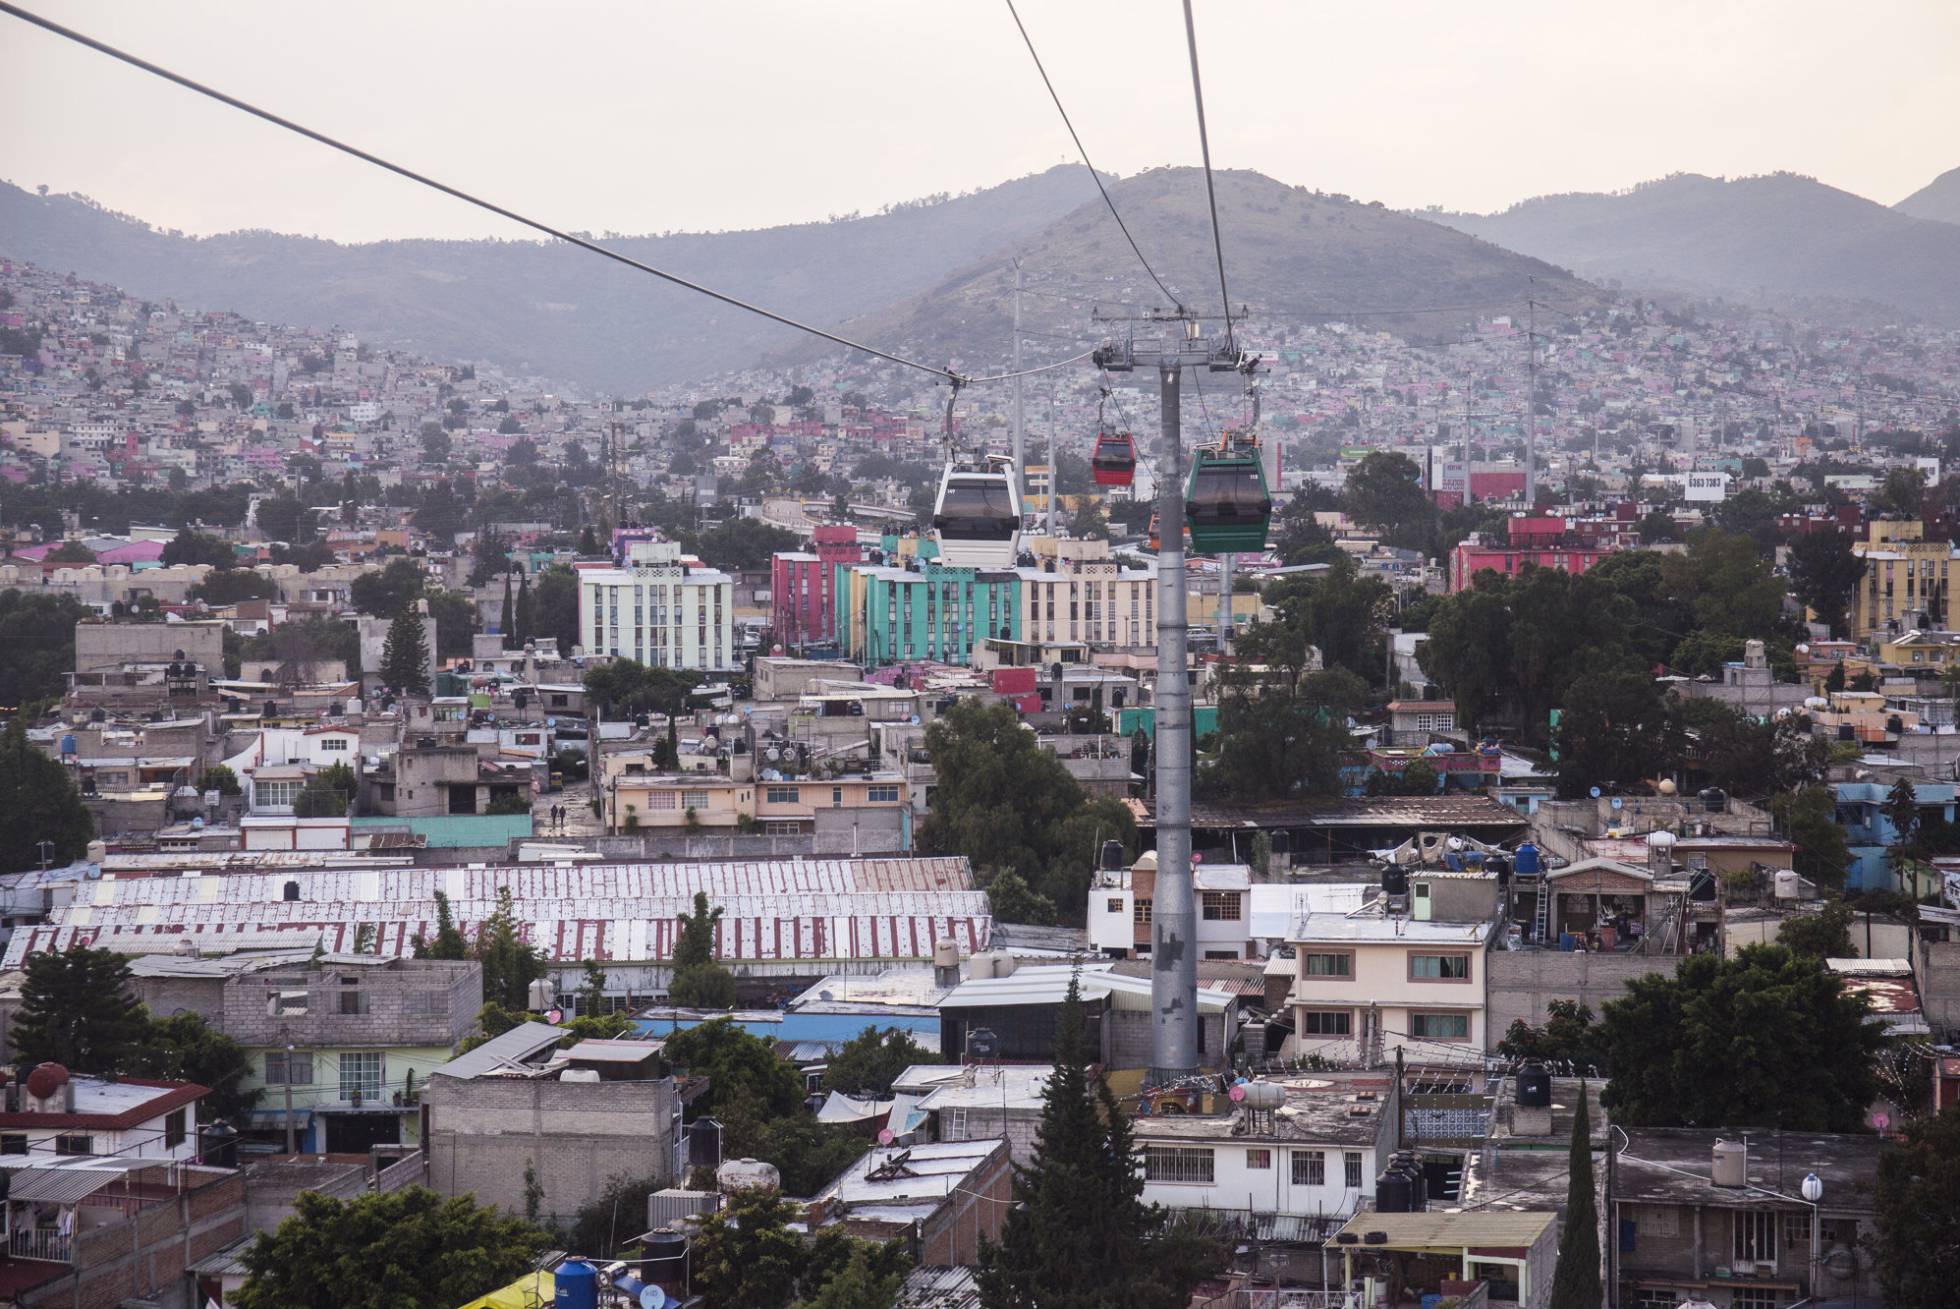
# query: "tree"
[[606, 1226], [233, 585], [1824, 573], [1011, 900], [624, 687], [1569, 1036], [510, 963], [1903, 494], [737, 543], [1901, 809], [704, 986], [38, 632], [1078, 1235], [38, 802], [1575, 1278], [404, 656], [1825, 934], [868, 1063], [1275, 743], [1006, 803], [454, 614], [592, 992], [860, 1283], [407, 1249], [746, 1256], [555, 608], [521, 631], [219, 778], [283, 518], [1794, 1049], [189, 547], [694, 944], [77, 1010], [387, 591], [185, 1048], [437, 444], [745, 1074], [1808, 817], [1384, 492], [1918, 1245], [1617, 727]]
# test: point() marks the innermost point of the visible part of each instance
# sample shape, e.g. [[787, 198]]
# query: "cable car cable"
[[1204, 146], [400, 170], [1083, 151]]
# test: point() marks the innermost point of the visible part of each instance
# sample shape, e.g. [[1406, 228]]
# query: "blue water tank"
[[1526, 860], [578, 1285]]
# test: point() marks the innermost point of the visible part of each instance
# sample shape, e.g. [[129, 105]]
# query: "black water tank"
[[1282, 842], [1501, 866], [665, 1262], [220, 1145], [704, 1143], [1715, 800], [1112, 854], [1534, 1086], [1394, 1192], [1395, 880]]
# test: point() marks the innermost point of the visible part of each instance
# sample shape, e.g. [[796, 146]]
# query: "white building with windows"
[[660, 610], [1371, 980], [275, 767], [54, 1112]]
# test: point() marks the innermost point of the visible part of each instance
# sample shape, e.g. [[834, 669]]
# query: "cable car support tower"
[[1182, 346]]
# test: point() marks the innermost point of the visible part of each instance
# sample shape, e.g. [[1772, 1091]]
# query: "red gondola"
[[1114, 460]]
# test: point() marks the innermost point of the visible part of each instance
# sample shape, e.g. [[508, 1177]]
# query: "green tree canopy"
[[1825, 573], [744, 1071], [1275, 742], [185, 1048], [1568, 1036], [1617, 728], [1384, 492], [38, 802], [1006, 803], [1575, 1278], [404, 655], [77, 1009], [37, 647], [408, 1249], [189, 547], [1766, 1039], [510, 963], [1808, 817], [1918, 1204], [1825, 934], [868, 1063], [386, 592], [625, 687]]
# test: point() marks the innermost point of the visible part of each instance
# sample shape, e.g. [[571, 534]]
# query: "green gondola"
[[1227, 503]]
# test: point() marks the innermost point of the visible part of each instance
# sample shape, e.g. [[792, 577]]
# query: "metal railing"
[[43, 1243]]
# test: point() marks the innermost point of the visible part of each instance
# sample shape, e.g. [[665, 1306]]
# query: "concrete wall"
[[273, 1186], [1127, 1033], [1522, 983], [483, 1133], [108, 645], [150, 1254], [415, 1002], [1939, 984]]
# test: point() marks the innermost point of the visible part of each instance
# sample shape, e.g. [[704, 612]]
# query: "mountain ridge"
[[1938, 200]]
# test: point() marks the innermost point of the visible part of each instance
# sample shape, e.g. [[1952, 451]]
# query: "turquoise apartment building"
[[889, 615]]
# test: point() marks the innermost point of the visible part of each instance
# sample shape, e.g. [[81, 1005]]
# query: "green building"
[[889, 615]]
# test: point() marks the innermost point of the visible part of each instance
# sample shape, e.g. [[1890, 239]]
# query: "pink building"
[[802, 586], [1546, 542]]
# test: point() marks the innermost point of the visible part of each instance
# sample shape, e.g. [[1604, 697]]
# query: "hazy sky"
[[659, 115]]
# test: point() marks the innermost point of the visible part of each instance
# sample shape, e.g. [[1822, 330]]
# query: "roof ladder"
[[1542, 911]]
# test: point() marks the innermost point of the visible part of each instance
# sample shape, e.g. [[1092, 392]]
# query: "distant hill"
[[550, 307], [1779, 237], [1290, 253], [1938, 200]]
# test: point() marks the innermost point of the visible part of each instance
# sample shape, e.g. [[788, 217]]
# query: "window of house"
[[275, 794], [1351, 1166], [295, 1069], [1439, 967], [174, 1129], [1755, 1234], [1259, 1161], [1142, 913], [836, 797], [1221, 906], [13, 1143], [425, 1004], [353, 1001], [881, 795], [782, 795], [1653, 1298], [694, 799], [1114, 905], [1757, 1297], [1309, 1167], [1659, 1220], [1167, 1163], [360, 1074], [286, 1004], [1440, 1027], [333, 744], [74, 1144], [1326, 1022], [1333, 963]]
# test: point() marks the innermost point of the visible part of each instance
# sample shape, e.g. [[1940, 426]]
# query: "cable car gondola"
[[977, 516], [1227, 504], [1113, 462]]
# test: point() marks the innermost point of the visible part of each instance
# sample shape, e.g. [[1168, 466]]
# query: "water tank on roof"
[[1730, 1164], [218, 1145], [1526, 859], [740, 1174], [1112, 854], [1715, 800], [1282, 842], [665, 1261], [1394, 1192], [1395, 880], [1263, 1095], [704, 1143], [579, 1075], [1789, 886], [577, 1284], [1534, 1086]]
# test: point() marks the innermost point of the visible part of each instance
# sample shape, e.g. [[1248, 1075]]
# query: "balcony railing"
[[44, 1243]]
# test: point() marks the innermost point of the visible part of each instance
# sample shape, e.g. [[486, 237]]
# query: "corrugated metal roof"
[[797, 909], [59, 1185], [1440, 1229], [455, 831], [939, 1288], [1048, 984], [502, 1050]]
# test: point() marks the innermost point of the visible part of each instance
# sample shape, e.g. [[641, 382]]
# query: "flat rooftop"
[[1674, 1166]]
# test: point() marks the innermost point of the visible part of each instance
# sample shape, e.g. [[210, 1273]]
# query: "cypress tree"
[[507, 623], [77, 1009], [524, 616], [1575, 1282], [403, 656]]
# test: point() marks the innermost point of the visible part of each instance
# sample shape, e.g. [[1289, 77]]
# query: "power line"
[[1083, 151], [1204, 145], [266, 115]]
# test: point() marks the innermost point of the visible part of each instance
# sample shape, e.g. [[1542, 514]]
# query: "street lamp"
[[1813, 1191]]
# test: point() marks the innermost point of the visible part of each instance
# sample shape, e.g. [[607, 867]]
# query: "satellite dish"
[[885, 1136]]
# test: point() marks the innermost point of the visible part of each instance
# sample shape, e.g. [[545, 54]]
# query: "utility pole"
[[1173, 918], [292, 1147], [1020, 416], [1054, 469]]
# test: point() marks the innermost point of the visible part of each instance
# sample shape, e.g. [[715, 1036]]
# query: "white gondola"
[[977, 516]]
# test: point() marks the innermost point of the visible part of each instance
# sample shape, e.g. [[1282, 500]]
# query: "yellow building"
[[1077, 593], [1922, 649], [1905, 580], [638, 798]]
